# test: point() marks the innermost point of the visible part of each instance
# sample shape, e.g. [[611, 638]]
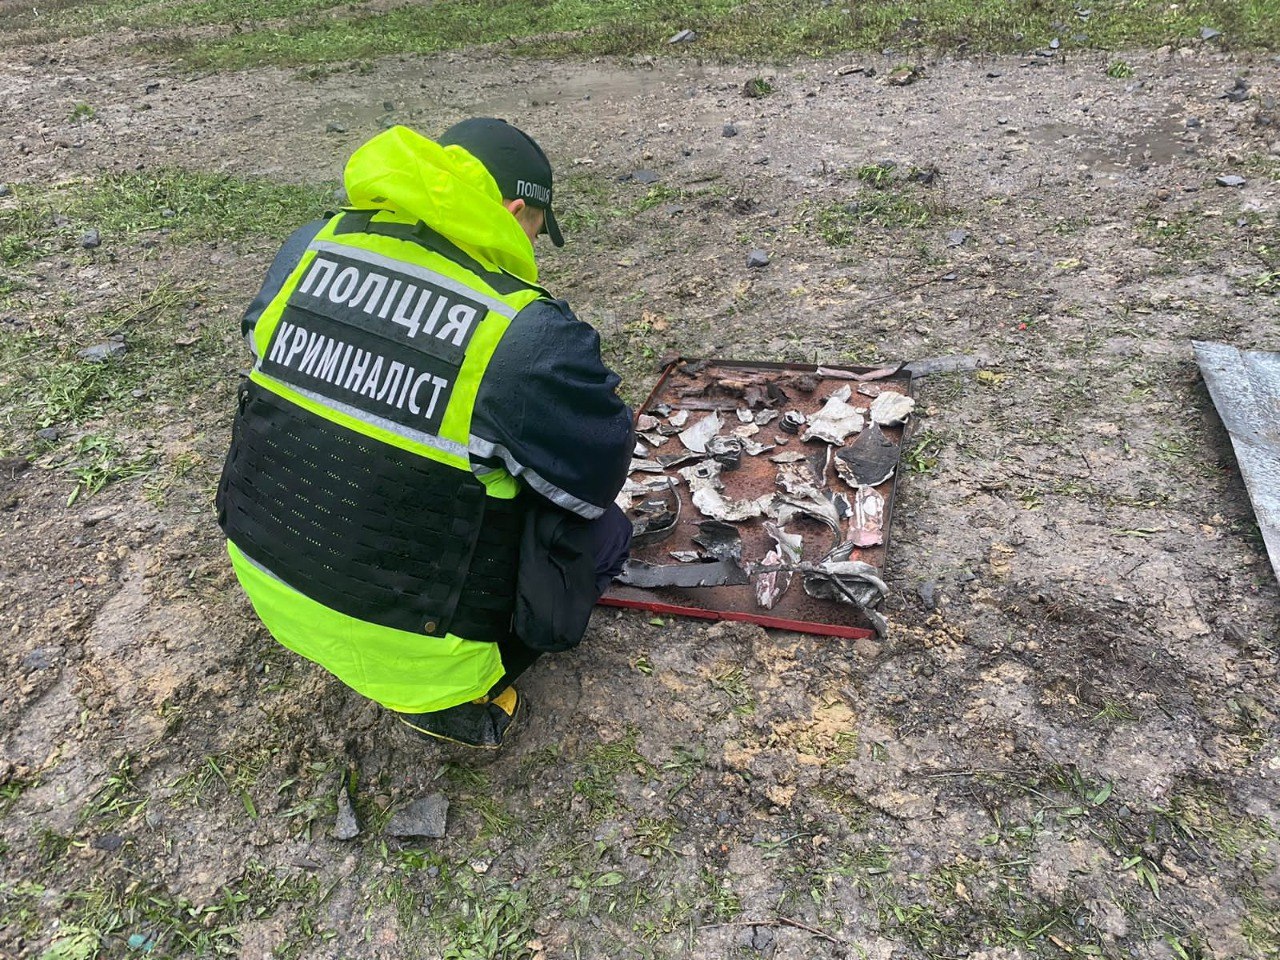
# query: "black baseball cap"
[[513, 159]]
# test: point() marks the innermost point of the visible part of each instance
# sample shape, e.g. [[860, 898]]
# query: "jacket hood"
[[447, 189]]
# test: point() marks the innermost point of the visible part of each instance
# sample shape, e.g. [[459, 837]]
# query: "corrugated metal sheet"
[[1245, 386]]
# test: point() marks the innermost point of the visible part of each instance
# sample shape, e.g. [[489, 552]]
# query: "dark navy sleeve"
[[286, 259], [548, 409]]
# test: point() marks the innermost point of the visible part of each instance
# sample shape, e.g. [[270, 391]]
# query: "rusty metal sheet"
[[1245, 387], [726, 386]]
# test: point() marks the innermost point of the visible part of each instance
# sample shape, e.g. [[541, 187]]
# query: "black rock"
[[729, 130], [424, 817], [110, 842], [757, 258], [334, 127], [1208, 33], [388, 106], [48, 433], [153, 86], [645, 176], [91, 239]]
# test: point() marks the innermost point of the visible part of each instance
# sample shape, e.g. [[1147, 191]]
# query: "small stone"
[[345, 825], [49, 434], [424, 817], [1193, 123], [1275, 149], [994, 74], [957, 237], [683, 36], [100, 352], [109, 842], [1208, 33], [334, 127], [729, 130], [757, 258], [927, 592], [91, 239], [5, 190], [645, 176], [1230, 180], [388, 106], [168, 213], [153, 86], [41, 658]]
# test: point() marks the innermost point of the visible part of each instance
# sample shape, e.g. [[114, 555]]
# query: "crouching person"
[[419, 490]]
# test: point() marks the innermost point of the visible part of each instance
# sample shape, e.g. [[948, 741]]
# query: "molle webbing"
[[367, 529], [361, 221]]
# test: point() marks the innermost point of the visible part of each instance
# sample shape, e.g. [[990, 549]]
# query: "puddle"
[[1163, 142]]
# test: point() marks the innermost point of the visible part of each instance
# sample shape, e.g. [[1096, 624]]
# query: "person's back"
[[416, 405]]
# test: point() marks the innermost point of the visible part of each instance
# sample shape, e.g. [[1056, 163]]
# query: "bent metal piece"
[[654, 527], [719, 573]]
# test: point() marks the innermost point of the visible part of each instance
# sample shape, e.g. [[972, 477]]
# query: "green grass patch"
[[842, 223], [193, 205], [762, 30]]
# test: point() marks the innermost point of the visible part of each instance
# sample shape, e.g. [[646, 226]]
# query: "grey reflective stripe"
[[561, 498], [265, 570], [413, 270], [417, 436], [253, 346]]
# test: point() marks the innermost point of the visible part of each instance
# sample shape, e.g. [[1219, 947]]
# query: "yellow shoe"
[[481, 723]]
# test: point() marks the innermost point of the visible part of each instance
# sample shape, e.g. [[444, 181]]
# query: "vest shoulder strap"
[[361, 221]]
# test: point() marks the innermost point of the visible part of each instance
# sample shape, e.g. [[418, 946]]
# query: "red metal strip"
[[799, 626]]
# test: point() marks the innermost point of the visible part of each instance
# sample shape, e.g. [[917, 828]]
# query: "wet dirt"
[[1068, 740]]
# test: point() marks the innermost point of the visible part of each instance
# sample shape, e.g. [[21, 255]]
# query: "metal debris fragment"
[[655, 519], [745, 415], [641, 465], [891, 409], [836, 420], [713, 504], [869, 460], [721, 540], [719, 573], [679, 418], [772, 584], [763, 417], [726, 451], [789, 456], [696, 436], [792, 421], [838, 578], [880, 373], [866, 528]]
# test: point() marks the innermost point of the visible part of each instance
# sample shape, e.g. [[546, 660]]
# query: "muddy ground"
[[1067, 743]]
